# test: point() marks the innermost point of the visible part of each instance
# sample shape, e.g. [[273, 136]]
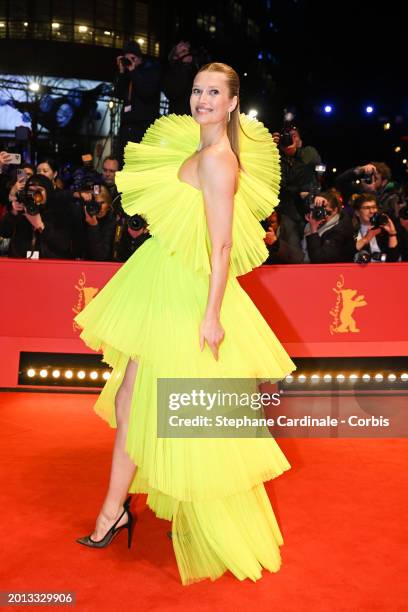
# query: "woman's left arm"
[[218, 175]]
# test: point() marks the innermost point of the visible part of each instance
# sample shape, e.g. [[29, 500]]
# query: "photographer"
[[328, 235], [282, 239], [138, 85], [298, 165], [131, 233], [375, 178], [100, 223], [38, 225], [110, 166], [375, 233], [178, 81]]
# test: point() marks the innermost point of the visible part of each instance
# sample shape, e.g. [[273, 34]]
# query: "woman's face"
[[210, 99], [47, 171]]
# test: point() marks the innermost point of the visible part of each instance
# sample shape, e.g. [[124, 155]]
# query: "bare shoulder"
[[218, 164]]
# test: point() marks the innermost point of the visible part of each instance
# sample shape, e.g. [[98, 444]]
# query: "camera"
[[135, 222], [319, 213], [92, 207], [125, 61], [31, 200], [378, 219], [285, 138], [367, 177], [364, 257]]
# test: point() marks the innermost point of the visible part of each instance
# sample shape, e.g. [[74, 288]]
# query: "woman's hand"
[[211, 331]]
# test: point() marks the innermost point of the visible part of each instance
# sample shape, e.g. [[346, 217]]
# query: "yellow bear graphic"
[[349, 303]]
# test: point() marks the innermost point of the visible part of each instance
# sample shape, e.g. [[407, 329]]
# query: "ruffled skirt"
[[211, 488]]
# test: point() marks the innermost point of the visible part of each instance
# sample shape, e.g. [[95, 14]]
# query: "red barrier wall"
[[315, 310]]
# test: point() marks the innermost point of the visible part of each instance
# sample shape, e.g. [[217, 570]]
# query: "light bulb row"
[[327, 378], [68, 373]]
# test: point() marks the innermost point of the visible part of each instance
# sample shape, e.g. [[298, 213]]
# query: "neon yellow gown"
[[150, 311]]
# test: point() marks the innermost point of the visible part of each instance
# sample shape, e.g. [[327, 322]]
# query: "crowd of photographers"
[[43, 215], [75, 213]]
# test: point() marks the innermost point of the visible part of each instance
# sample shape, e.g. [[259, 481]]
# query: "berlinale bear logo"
[[85, 295], [346, 302]]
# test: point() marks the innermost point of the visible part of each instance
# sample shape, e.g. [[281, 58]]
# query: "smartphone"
[[21, 175], [14, 158]]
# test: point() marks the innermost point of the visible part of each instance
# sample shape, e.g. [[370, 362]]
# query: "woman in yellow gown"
[[175, 309]]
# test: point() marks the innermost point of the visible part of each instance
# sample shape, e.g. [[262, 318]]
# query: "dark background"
[[297, 55]]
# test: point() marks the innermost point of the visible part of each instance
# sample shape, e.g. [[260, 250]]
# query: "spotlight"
[[404, 161], [353, 378], [379, 377], [31, 373], [392, 377], [2, 25], [107, 33], [26, 24], [404, 377], [397, 149], [302, 378], [369, 110], [340, 378], [81, 374], [289, 378], [56, 373], [328, 109], [327, 378], [315, 378], [387, 126], [34, 86], [106, 375], [69, 374], [245, 74], [43, 373], [252, 113], [141, 41], [94, 375], [366, 377], [55, 25], [111, 104], [334, 170], [83, 28]]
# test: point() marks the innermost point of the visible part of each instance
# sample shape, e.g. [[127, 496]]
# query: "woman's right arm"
[[217, 173]]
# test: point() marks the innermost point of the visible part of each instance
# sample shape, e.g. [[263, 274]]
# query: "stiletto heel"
[[113, 531]]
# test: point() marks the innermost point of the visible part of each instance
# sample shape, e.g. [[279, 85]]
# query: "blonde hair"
[[233, 125]]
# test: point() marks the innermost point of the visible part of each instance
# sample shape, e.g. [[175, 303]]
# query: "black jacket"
[[60, 238], [334, 246], [99, 238], [143, 85], [287, 248]]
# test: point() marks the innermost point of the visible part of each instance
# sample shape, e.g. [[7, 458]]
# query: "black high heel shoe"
[[113, 531]]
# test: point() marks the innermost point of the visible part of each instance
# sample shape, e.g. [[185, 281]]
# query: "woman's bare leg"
[[123, 469]]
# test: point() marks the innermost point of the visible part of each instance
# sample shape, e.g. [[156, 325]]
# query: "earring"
[[229, 116]]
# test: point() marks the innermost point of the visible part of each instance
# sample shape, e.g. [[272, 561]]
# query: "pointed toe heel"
[[113, 531]]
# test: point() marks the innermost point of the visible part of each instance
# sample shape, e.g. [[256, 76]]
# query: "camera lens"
[[319, 213]]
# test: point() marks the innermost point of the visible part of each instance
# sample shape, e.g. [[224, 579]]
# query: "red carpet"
[[342, 509]]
